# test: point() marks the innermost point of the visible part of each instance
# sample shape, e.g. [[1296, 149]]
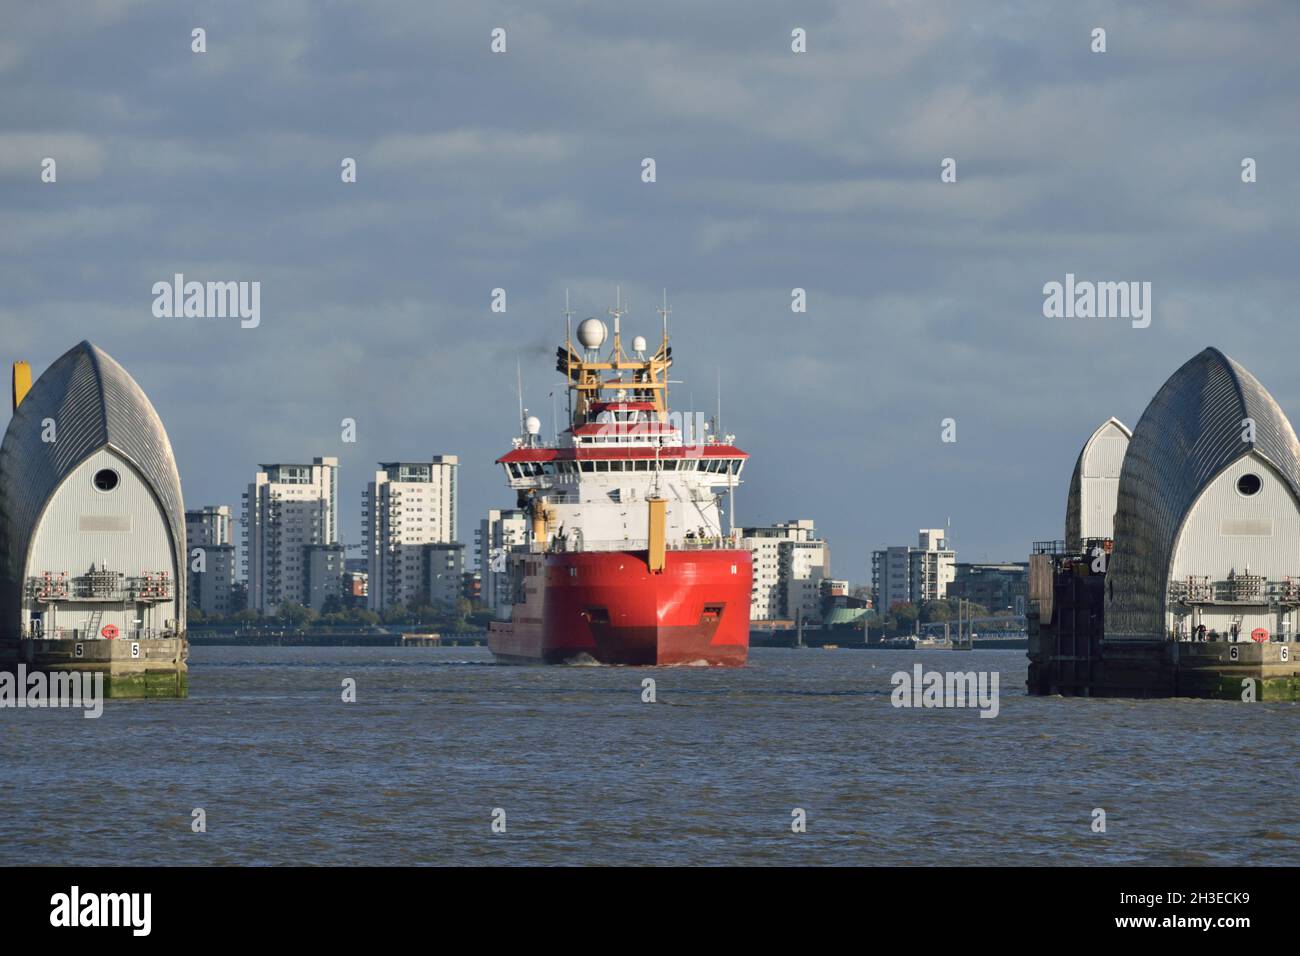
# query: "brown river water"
[[441, 741]]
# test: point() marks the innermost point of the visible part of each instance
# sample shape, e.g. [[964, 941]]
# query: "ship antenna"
[[664, 313], [568, 321], [519, 388], [617, 313], [568, 363], [663, 348]]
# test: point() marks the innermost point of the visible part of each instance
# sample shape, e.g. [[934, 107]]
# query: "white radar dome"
[[591, 333], [533, 424], [638, 344]]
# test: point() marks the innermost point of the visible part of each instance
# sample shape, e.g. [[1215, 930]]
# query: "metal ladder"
[[92, 625]]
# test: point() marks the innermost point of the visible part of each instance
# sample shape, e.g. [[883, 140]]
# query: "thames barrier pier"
[[1179, 575], [92, 531]]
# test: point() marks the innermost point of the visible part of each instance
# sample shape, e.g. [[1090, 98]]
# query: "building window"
[[105, 479], [1249, 484]]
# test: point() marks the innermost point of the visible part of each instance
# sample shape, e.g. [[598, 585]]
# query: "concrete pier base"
[[156, 668], [1085, 664]]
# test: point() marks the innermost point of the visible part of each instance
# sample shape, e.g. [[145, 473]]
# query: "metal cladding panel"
[[94, 403], [1102, 456], [1073, 503], [1189, 433]]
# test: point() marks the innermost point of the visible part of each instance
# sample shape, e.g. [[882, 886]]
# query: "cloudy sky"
[[775, 170]]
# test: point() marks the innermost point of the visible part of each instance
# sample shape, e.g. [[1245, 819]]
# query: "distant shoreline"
[[336, 639]]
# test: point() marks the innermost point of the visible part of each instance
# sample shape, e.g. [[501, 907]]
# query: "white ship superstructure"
[[622, 449]]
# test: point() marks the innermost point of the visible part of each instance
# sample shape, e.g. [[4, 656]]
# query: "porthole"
[[105, 479], [1249, 484]]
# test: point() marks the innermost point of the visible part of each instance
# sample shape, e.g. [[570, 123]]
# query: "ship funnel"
[[656, 558]]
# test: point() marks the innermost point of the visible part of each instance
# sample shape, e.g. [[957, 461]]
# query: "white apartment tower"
[[891, 577], [288, 509], [409, 506], [934, 566], [902, 575], [498, 533], [790, 562], [211, 589]]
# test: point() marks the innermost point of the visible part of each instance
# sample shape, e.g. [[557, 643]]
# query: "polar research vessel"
[[626, 560]]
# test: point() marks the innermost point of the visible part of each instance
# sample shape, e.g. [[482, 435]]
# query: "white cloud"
[[77, 156], [461, 146]]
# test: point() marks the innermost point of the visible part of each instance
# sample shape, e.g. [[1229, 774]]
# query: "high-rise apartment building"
[[789, 562], [408, 506], [211, 587], [288, 509], [902, 575], [500, 531]]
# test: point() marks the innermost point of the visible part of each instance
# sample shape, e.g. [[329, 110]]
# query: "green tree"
[[397, 614], [362, 616], [904, 615], [295, 615], [936, 612]]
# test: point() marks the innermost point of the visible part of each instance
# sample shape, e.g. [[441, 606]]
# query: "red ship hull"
[[608, 607]]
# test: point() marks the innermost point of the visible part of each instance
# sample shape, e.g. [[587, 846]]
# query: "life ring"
[[110, 631], [1259, 635]]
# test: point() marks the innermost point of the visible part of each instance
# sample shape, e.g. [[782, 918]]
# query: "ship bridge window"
[[588, 465]]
